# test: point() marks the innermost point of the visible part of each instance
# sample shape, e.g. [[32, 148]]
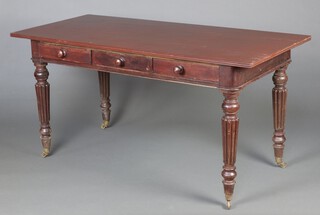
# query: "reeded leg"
[[43, 99], [279, 98], [104, 83], [230, 124]]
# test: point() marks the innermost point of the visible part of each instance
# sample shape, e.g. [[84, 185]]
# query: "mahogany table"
[[216, 57]]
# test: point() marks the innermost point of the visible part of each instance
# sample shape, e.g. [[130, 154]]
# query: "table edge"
[[152, 54]]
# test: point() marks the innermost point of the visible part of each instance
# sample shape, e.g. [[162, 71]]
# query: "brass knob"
[[178, 70], [120, 62], [62, 53]]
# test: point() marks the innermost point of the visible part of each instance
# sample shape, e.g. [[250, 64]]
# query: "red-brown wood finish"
[[43, 99], [225, 58], [104, 85], [65, 53], [122, 60], [186, 70], [279, 100], [198, 43], [236, 78], [230, 125]]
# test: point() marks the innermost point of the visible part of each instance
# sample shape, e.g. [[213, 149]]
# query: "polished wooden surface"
[[230, 126], [215, 45], [105, 105], [224, 58], [279, 100], [43, 97]]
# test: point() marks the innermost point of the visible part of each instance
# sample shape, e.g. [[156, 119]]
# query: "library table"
[[224, 58]]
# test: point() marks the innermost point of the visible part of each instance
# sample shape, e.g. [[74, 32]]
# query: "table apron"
[[171, 70]]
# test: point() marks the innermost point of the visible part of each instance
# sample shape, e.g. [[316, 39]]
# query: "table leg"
[[43, 99], [279, 98], [230, 124], [104, 83]]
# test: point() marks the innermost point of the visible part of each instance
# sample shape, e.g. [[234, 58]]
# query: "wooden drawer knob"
[[62, 53], [178, 70], [120, 62]]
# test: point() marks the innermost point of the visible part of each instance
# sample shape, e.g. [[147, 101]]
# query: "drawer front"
[[186, 70], [122, 61], [65, 53]]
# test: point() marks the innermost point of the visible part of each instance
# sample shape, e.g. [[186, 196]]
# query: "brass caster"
[[228, 205], [105, 124], [45, 152], [280, 163]]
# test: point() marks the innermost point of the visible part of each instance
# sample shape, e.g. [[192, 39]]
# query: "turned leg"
[[43, 99], [230, 124], [104, 83], [279, 98]]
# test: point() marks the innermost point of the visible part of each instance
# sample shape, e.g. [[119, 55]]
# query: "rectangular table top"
[[198, 43]]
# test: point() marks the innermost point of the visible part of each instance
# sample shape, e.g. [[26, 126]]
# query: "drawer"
[[65, 53], [186, 70], [121, 60]]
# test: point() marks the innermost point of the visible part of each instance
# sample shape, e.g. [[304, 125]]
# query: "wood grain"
[[198, 43], [72, 54], [279, 100], [217, 57], [230, 126], [43, 100], [104, 86]]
